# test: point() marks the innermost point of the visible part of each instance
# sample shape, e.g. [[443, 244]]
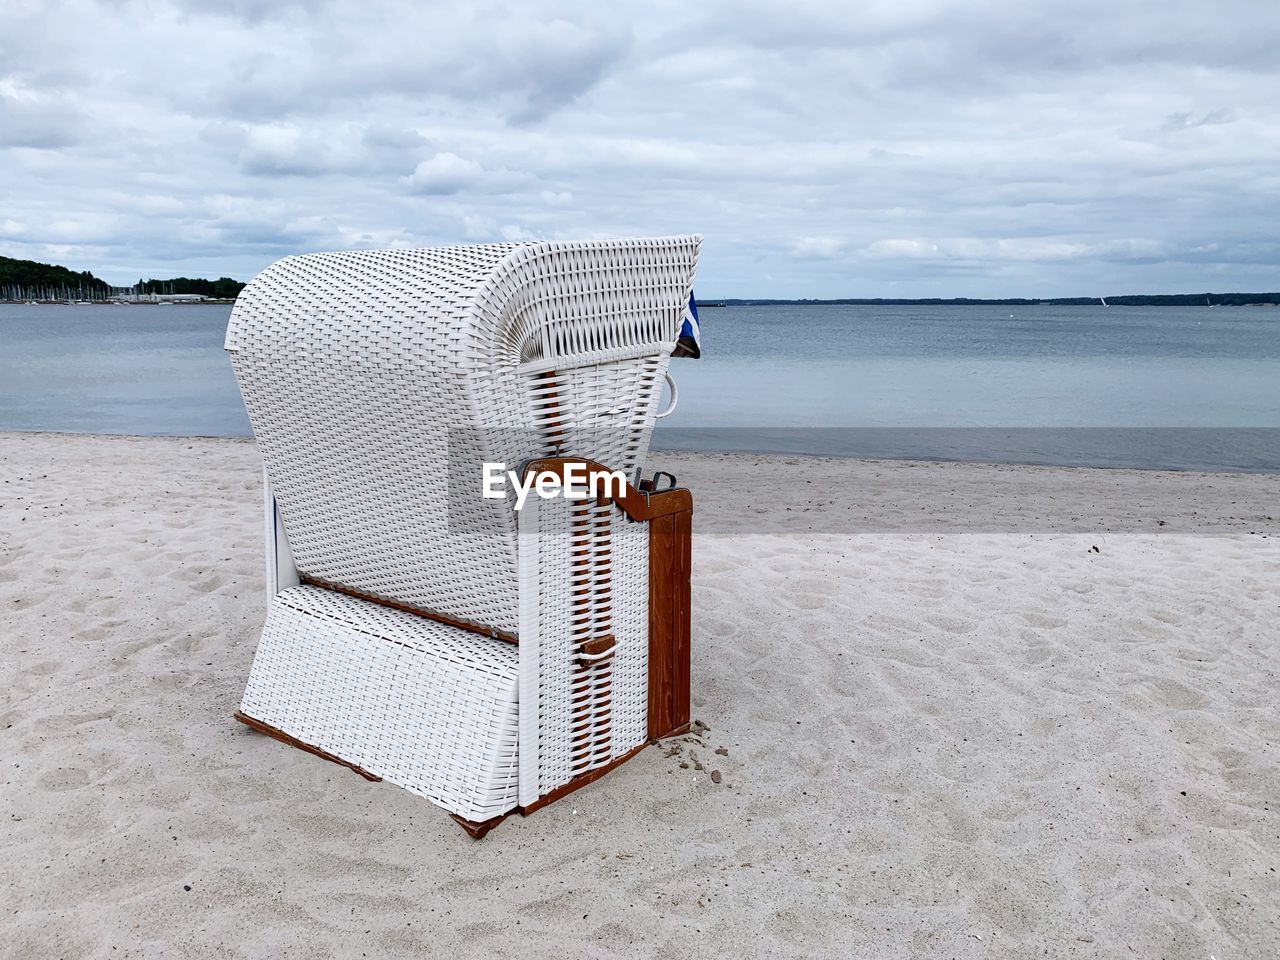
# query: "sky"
[[900, 149]]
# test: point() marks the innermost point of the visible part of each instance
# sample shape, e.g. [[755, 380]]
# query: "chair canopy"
[[378, 382]]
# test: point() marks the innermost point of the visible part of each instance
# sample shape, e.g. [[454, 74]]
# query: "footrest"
[[424, 705]]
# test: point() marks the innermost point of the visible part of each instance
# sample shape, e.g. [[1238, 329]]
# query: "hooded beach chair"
[[422, 629]]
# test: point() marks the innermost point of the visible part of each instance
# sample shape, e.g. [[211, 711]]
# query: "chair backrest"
[[378, 382]]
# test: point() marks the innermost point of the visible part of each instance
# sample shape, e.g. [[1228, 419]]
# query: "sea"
[[1181, 388]]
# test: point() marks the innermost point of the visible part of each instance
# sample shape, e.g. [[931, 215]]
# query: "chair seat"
[[430, 707]]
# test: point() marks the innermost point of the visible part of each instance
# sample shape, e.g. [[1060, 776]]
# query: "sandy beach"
[[953, 710]]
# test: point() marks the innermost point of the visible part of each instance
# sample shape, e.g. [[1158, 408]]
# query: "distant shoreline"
[[1127, 300], [1155, 300], [1122, 300], [125, 303], [29, 281]]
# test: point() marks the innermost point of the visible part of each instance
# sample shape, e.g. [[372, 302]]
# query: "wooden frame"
[[670, 561]]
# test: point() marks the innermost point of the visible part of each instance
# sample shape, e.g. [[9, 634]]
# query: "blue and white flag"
[[689, 342]]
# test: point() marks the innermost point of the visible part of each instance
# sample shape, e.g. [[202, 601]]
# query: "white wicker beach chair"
[[487, 658]]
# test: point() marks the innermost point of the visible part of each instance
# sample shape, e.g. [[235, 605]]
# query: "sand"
[[944, 725]]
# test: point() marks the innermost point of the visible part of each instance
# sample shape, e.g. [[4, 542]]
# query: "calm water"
[[1192, 388]]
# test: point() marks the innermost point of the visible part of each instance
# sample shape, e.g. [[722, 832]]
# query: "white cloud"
[[445, 173], [449, 173], [824, 248], [281, 149]]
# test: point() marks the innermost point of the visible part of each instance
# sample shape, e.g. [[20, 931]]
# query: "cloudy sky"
[[881, 148]]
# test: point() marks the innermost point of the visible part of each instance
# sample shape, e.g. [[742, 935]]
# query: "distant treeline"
[[1125, 300], [29, 280], [224, 288]]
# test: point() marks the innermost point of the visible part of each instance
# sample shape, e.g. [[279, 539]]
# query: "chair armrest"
[[639, 505]]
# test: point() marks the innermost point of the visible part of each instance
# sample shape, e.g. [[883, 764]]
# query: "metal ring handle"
[[654, 488], [675, 396]]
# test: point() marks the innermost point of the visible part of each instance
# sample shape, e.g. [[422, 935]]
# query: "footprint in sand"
[[881, 622], [952, 624], [807, 601], [1035, 656], [61, 780], [929, 591], [1150, 631], [1043, 621], [41, 668], [1191, 655], [715, 627], [1177, 695]]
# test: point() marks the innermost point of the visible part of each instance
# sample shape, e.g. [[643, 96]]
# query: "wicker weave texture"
[[371, 377], [630, 624], [584, 578], [427, 706]]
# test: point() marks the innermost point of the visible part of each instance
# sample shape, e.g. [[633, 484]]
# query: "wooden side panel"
[[670, 558]]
